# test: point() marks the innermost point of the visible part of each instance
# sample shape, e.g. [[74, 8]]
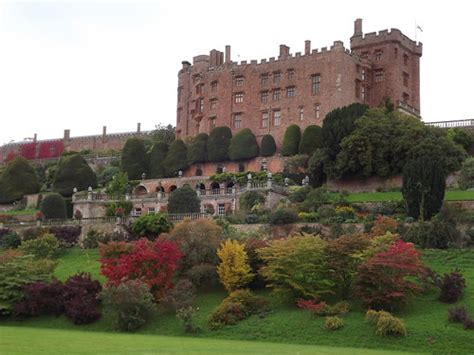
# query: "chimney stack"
[[139, 127], [227, 54], [67, 134], [307, 47], [358, 27], [284, 51], [35, 138]]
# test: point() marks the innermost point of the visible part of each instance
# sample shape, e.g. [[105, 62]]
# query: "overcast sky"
[[81, 65]]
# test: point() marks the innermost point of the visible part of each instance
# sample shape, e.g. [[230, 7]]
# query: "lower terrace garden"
[[395, 285]]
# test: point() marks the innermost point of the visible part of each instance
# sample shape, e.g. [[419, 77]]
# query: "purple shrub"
[[452, 287], [458, 314], [41, 298], [81, 298], [468, 323], [67, 235]]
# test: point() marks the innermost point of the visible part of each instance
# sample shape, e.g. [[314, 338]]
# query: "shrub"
[[184, 200], [130, 305], [44, 247], [283, 216], [67, 235], [176, 159], [202, 275], [333, 323], [92, 239], [466, 180], [291, 140], [133, 160], [382, 225], [17, 271], [10, 240], [151, 225], [218, 144], [238, 306], [119, 209], [385, 281], [119, 184], [185, 316], [458, 314], [198, 241], [53, 206], [468, 323], [390, 325], [18, 179], [250, 199], [311, 140], [267, 146], [154, 263], [81, 299], [182, 295], [298, 265], [316, 198], [73, 172], [324, 309], [452, 287], [33, 233], [156, 159], [41, 298], [243, 145], [300, 194], [234, 270], [197, 149]]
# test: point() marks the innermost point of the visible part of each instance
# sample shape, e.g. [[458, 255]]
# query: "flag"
[[419, 28]]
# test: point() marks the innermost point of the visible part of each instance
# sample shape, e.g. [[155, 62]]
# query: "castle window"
[[151, 209], [201, 105], [264, 79], [362, 93], [317, 111], [301, 113], [291, 74], [290, 92], [405, 59], [264, 96], [241, 167], [362, 75], [405, 97], [378, 54], [276, 117], [239, 81], [405, 79], [276, 77], [213, 104], [214, 86], [237, 120], [199, 89], [180, 93], [315, 83], [221, 209], [378, 75], [239, 97], [276, 94], [265, 119], [212, 122], [365, 54]]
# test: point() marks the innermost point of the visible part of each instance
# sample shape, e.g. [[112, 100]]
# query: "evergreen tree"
[[291, 140], [197, 149], [156, 159], [311, 140], [424, 183], [176, 159], [218, 144], [134, 158], [18, 179], [243, 145], [53, 206], [184, 200], [73, 172], [268, 146]]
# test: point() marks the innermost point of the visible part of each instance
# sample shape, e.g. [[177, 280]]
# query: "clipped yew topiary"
[[311, 140], [218, 144], [184, 200], [156, 160], [197, 149], [18, 179], [176, 159], [53, 206], [134, 158], [291, 140], [73, 172], [243, 145], [267, 146]]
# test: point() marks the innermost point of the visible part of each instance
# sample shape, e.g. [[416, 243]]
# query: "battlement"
[[359, 39]]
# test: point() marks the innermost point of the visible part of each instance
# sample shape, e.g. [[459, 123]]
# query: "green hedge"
[[291, 140]]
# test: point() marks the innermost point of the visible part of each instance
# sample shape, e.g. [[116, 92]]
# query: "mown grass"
[[426, 318], [452, 195], [19, 212]]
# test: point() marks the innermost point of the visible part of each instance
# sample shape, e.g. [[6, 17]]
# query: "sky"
[[81, 65]]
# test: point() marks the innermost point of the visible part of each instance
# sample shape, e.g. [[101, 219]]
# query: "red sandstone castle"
[[300, 88]]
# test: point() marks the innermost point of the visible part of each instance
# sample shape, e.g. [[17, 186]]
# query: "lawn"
[[454, 195], [426, 319], [19, 212]]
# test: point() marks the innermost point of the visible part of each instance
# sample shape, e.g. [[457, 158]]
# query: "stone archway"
[[215, 188], [140, 190]]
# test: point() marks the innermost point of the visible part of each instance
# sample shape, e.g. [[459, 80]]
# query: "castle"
[[299, 88]]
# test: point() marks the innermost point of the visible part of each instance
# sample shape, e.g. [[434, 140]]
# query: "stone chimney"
[[358, 27], [227, 54], [35, 138], [307, 47], [67, 134], [139, 127], [186, 64], [104, 133], [284, 51]]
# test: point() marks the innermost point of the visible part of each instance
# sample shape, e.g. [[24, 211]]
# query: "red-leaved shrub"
[[81, 298], [41, 298], [386, 280], [153, 262]]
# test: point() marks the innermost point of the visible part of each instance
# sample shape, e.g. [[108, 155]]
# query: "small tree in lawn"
[[184, 200], [291, 140], [234, 270], [243, 145], [218, 144], [424, 182], [387, 280], [134, 158], [267, 146]]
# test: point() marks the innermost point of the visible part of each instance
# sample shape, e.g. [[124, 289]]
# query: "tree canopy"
[[184, 200], [18, 179], [156, 160], [197, 149], [243, 145], [73, 172], [291, 140], [218, 144], [176, 159], [267, 146], [311, 140], [134, 161]]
